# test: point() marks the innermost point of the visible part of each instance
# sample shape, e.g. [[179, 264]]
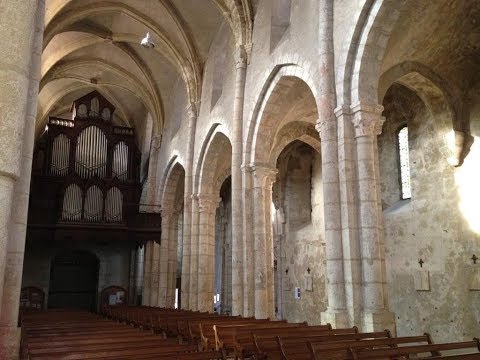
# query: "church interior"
[[299, 161]]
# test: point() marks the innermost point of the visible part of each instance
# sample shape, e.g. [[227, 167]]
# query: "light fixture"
[[147, 42]]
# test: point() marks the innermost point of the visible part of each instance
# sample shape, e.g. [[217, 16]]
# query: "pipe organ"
[[85, 172]]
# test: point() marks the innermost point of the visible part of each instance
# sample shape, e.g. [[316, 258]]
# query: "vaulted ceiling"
[[95, 44]]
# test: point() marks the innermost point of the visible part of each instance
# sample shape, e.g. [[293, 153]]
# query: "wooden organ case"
[[86, 179]]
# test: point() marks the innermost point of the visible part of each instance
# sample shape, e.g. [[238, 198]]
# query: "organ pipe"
[[91, 153], [60, 154], [120, 161]]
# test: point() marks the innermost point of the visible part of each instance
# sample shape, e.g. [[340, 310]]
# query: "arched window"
[[404, 158]]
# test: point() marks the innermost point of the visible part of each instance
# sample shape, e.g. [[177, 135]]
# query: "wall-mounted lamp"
[[474, 258], [286, 271], [421, 262], [147, 41], [308, 270], [275, 265]]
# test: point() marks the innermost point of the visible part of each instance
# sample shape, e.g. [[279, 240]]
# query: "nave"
[[143, 332]]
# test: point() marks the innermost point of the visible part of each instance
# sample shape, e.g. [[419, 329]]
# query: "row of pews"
[[123, 332]]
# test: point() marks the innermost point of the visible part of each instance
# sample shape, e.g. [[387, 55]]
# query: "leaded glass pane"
[[404, 163]]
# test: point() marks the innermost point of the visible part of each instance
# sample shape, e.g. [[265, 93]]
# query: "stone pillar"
[[147, 273], [367, 121], [348, 194], [172, 260], [206, 251], [194, 251], [336, 313], [21, 38], [155, 275], [131, 277], [264, 177], [237, 218], [248, 243], [327, 127], [187, 207], [164, 258], [139, 273]]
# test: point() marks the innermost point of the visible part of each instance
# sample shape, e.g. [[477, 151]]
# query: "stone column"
[[206, 251], [155, 275], [147, 273], [248, 243], [327, 127], [187, 207], [172, 260], [264, 177], [237, 219], [336, 313], [131, 277], [194, 236], [21, 31], [367, 121], [139, 273], [348, 208], [164, 258]]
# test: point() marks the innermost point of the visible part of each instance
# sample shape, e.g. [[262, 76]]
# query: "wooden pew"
[[201, 330], [405, 351], [343, 349], [238, 339], [269, 345]]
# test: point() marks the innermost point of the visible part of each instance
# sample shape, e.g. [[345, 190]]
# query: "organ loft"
[[180, 171], [85, 195]]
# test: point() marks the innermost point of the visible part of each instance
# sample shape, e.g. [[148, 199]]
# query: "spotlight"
[[147, 42]]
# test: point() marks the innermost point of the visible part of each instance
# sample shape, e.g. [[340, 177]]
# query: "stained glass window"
[[403, 152]]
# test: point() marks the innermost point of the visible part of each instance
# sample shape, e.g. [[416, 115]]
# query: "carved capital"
[[247, 169], [240, 56], [156, 142], [325, 127], [264, 175], [367, 120], [192, 110], [208, 203]]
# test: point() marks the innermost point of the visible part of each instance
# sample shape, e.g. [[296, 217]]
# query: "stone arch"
[[215, 163], [369, 41], [295, 130], [288, 98], [427, 84], [285, 68], [172, 179], [439, 98], [171, 246]]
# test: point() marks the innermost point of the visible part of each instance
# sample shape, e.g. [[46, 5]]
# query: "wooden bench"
[[269, 345], [405, 351], [343, 349], [238, 339], [205, 331]]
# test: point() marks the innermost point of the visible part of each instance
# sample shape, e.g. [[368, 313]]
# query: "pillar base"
[[10, 343], [338, 319], [378, 321]]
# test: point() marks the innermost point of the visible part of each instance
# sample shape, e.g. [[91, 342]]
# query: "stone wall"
[[431, 226], [300, 241]]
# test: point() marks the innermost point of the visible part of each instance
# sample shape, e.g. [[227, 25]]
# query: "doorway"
[[74, 281]]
